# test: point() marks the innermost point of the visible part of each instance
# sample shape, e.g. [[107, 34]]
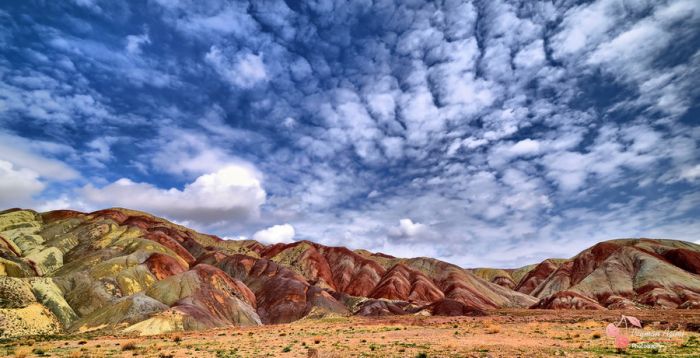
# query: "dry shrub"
[[23, 352], [493, 329], [129, 346]]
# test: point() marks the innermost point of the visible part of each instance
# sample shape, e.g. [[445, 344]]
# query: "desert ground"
[[503, 333]]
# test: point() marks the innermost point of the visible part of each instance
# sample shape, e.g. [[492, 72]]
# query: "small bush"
[[287, 349], [422, 355], [493, 329], [130, 346], [22, 352], [39, 351], [177, 339], [596, 336]]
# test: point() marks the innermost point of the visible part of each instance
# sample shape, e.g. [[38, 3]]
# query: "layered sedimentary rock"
[[628, 273], [125, 270]]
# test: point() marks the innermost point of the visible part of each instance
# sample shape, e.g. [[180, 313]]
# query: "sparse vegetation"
[[493, 329], [39, 351], [22, 352], [475, 337], [130, 346]]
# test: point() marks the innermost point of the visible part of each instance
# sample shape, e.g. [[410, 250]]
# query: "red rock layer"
[[568, 300], [406, 284], [352, 273], [215, 301], [341, 268], [282, 295], [163, 266], [587, 261], [311, 263], [374, 308], [685, 259], [533, 278], [447, 307]]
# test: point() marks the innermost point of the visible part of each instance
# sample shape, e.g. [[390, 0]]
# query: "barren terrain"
[[503, 333]]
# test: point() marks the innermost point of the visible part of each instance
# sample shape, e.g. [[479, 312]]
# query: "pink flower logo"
[[613, 331]]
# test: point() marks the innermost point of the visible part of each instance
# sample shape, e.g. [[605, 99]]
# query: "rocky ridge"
[[124, 270]]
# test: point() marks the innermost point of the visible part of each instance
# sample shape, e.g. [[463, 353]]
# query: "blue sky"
[[485, 133]]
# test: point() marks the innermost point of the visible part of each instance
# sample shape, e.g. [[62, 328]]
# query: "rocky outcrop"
[[406, 284], [568, 300], [536, 276], [630, 273], [447, 307], [461, 285], [282, 294], [377, 308]]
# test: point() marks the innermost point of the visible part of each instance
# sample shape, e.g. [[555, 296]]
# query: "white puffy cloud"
[[408, 230], [17, 185], [276, 234], [243, 70], [479, 134], [233, 193]]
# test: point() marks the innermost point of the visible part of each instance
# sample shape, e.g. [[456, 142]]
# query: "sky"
[[484, 133]]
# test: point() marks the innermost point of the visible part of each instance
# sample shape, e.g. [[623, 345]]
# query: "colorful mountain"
[[120, 270]]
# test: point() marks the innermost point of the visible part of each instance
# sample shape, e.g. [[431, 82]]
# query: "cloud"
[[408, 230], [17, 186], [32, 155], [244, 70], [691, 174], [192, 152], [534, 127], [276, 234], [135, 42], [231, 194]]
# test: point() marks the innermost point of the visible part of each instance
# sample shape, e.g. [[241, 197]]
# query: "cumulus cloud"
[[408, 230], [500, 121], [275, 234], [244, 70], [233, 193], [17, 186]]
